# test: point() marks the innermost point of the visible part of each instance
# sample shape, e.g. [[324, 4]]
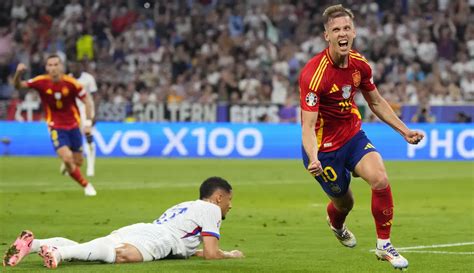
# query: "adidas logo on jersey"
[[334, 88], [369, 146]]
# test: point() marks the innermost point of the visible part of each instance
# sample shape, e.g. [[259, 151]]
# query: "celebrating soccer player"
[[334, 144], [58, 93], [177, 233]]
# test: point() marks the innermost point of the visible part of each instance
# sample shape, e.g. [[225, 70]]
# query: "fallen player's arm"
[[211, 250]]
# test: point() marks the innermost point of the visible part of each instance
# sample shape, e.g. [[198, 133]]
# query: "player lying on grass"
[[177, 233]]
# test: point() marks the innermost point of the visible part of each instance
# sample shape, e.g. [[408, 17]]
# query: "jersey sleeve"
[[211, 222], [93, 85], [309, 98], [35, 83], [78, 90], [367, 81]]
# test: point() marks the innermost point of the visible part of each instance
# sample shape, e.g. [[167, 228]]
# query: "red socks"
[[382, 210], [76, 175], [336, 217]]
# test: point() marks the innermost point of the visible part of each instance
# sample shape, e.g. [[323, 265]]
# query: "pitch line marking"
[[438, 252], [436, 246], [410, 249]]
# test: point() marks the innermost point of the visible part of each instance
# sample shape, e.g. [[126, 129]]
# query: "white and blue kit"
[[89, 84], [177, 232]]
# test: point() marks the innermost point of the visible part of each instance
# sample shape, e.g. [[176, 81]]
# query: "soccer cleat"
[[19, 249], [50, 255], [89, 190], [344, 235], [389, 253]]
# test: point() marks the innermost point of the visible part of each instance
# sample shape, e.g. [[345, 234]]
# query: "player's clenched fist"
[[315, 168], [21, 68], [414, 137]]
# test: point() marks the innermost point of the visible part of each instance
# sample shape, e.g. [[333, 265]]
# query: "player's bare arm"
[[382, 110], [87, 99], [17, 82], [211, 250], [310, 142]]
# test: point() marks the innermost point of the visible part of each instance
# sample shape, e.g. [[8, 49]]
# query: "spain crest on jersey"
[[311, 99], [65, 91], [356, 77]]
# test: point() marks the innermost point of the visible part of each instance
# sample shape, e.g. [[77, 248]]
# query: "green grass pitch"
[[277, 219]]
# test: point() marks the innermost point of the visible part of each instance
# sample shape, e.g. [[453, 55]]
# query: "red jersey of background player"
[[329, 90], [59, 100]]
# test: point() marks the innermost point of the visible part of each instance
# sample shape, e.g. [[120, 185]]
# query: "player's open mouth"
[[343, 44]]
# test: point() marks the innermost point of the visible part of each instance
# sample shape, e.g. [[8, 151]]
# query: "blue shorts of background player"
[[71, 138], [338, 165]]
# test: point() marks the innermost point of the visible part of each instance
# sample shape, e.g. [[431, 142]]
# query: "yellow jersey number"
[[345, 105], [329, 174], [59, 104]]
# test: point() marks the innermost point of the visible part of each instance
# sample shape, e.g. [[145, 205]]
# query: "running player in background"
[[58, 93], [78, 71], [177, 234], [334, 144]]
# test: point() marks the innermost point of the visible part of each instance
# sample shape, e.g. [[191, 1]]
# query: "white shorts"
[[149, 239]]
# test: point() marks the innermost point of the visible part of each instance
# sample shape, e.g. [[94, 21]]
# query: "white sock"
[[101, 249], [382, 242], [90, 156], [57, 241]]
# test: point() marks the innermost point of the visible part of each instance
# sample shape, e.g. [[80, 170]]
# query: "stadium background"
[[238, 62], [216, 79]]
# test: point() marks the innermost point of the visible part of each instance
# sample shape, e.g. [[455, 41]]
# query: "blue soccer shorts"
[[71, 138], [338, 165]]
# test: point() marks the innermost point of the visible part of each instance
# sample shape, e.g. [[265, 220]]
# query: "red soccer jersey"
[[59, 100], [329, 90]]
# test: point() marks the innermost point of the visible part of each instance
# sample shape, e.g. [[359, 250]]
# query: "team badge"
[[311, 99], [57, 95], [356, 78], [65, 91], [346, 91], [335, 188]]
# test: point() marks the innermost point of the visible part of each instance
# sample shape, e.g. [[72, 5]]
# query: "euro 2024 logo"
[[311, 99]]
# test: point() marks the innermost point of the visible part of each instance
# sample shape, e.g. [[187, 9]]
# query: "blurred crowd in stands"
[[231, 52]]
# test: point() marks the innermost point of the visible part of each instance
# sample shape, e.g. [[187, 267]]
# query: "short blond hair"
[[336, 11]]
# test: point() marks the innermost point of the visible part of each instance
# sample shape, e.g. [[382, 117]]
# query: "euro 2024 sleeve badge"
[[311, 99]]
